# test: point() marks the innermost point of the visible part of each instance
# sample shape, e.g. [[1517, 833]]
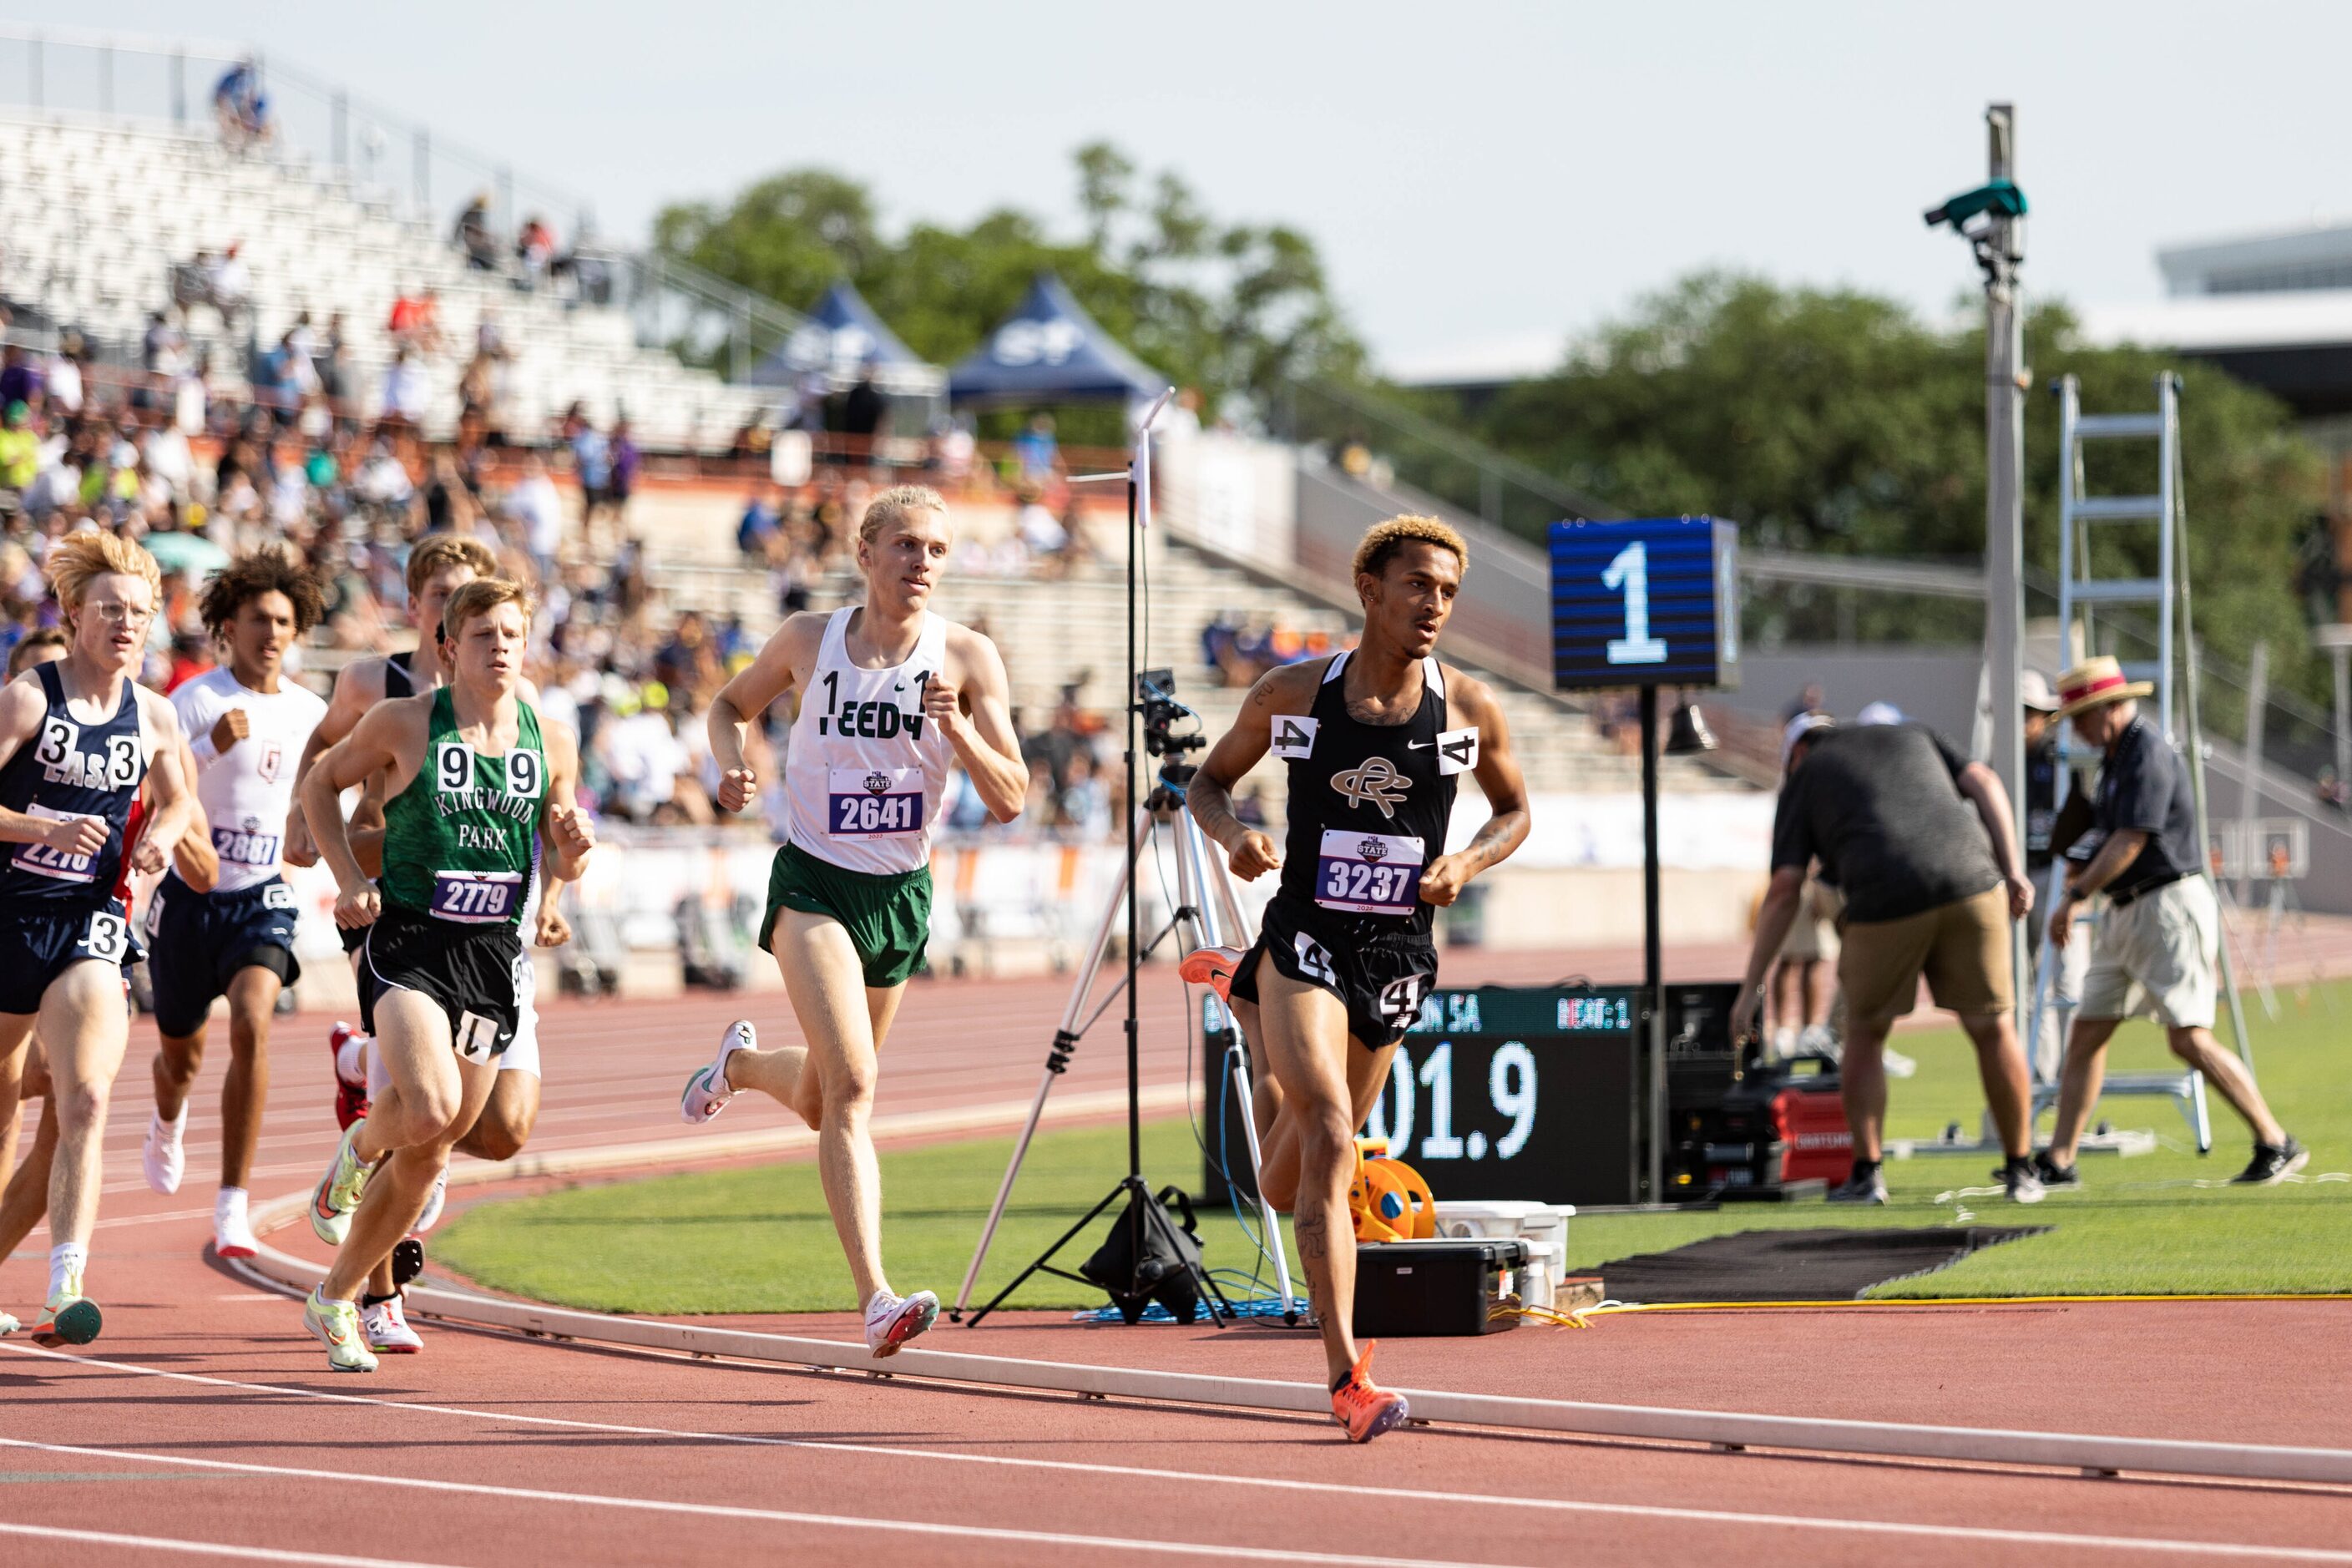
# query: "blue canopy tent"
[[1050, 350], [841, 338]]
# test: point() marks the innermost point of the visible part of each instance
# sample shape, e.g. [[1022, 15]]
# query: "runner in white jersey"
[[891, 696], [246, 724]]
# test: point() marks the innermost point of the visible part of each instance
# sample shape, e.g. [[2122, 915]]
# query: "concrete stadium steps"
[[1051, 631], [96, 213]]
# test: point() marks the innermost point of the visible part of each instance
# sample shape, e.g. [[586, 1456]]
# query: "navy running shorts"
[[199, 942]]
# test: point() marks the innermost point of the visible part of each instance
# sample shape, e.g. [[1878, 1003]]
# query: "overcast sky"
[[1476, 175]]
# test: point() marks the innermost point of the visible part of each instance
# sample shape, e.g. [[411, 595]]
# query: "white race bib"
[[476, 898], [1368, 873], [873, 803], [57, 864]]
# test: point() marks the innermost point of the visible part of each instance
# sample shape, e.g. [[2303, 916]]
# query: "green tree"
[[786, 237], [1229, 308], [1834, 421]]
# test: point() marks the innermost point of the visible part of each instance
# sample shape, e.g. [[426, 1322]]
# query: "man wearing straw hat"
[[2156, 944]]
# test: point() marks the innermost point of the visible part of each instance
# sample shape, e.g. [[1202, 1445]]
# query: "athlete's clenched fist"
[[1255, 856], [940, 704], [575, 833], [358, 907], [738, 788]]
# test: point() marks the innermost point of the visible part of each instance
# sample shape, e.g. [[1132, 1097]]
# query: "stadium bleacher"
[[98, 211]]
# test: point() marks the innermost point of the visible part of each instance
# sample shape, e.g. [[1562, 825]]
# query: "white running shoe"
[[387, 1329], [892, 1320], [232, 1226], [162, 1158], [707, 1093], [432, 1202]]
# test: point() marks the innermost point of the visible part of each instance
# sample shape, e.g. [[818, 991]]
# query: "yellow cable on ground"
[[1581, 1317], [1958, 1301]]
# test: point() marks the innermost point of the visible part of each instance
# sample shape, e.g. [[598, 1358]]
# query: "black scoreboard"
[[1502, 1092]]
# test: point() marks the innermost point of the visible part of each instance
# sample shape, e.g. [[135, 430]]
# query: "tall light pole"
[[2000, 252], [1992, 218]]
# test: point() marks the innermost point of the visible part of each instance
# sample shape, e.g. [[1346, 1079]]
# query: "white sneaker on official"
[[892, 1320], [432, 1202], [707, 1093], [1896, 1064], [232, 1226], [161, 1157], [386, 1329]]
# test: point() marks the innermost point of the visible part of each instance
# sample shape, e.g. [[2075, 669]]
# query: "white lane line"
[[1270, 1483], [203, 1548], [765, 1515]]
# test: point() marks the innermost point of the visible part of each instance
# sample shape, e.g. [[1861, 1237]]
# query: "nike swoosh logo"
[[1419, 745]]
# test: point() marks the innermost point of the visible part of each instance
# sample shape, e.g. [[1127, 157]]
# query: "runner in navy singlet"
[[1375, 741], [76, 738]]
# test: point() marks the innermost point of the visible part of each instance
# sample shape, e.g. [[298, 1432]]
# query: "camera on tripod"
[[1155, 702]]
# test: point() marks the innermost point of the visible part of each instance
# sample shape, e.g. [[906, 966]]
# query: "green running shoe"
[[336, 1325], [339, 1191]]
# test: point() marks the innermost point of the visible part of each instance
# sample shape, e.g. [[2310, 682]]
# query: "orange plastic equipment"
[[1388, 1200]]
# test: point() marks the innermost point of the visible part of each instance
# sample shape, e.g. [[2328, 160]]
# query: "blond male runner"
[[1376, 741], [475, 784], [439, 565], [76, 738], [26, 1199], [891, 696]]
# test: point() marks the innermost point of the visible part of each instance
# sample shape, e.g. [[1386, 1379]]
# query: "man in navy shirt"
[[2156, 944]]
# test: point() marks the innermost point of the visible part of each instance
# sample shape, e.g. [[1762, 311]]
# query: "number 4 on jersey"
[[1294, 736]]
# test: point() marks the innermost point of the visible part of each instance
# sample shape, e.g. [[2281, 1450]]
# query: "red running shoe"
[[1366, 1411], [351, 1098]]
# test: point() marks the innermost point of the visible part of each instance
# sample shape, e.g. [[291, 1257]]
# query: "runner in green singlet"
[[472, 776]]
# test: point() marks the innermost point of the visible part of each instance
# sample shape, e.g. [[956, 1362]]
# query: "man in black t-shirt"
[[2156, 944], [1920, 841]]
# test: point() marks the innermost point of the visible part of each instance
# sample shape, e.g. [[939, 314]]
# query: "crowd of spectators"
[[1236, 652]]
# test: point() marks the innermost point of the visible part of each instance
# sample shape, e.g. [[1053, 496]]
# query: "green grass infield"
[[757, 1239]]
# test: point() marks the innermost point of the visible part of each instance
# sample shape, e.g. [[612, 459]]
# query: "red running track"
[[206, 1421]]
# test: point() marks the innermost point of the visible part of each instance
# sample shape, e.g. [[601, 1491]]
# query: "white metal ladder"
[[2080, 593]]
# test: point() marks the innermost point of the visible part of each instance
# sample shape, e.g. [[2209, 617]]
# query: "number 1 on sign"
[[1630, 573]]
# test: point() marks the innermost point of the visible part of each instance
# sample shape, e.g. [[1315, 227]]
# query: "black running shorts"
[[1380, 976], [469, 970]]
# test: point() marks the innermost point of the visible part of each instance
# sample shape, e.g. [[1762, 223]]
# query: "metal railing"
[[1405, 445]]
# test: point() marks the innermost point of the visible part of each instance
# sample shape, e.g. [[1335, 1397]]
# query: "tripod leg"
[[1004, 1188], [1065, 1039], [1239, 1072], [1084, 1220]]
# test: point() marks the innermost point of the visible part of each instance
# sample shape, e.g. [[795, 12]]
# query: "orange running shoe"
[[1363, 1409], [1212, 967]]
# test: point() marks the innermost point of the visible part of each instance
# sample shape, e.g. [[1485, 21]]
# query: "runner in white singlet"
[[890, 697]]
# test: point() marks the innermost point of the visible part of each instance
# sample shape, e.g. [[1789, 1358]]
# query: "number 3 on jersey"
[[109, 939]]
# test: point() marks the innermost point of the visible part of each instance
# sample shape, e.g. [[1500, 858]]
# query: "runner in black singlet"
[[1375, 741]]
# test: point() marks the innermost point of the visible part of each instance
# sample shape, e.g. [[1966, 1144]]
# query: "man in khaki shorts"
[[2156, 944], [1920, 842]]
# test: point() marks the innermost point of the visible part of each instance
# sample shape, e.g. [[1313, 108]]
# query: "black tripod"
[[1206, 912], [1152, 711]]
